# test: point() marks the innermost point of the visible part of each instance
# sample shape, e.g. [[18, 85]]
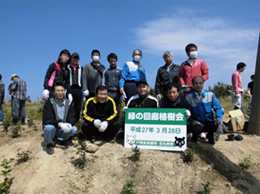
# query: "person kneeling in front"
[[203, 103], [100, 116], [58, 118]]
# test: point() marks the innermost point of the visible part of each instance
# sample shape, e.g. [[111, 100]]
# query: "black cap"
[[142, 82], [75, 55]]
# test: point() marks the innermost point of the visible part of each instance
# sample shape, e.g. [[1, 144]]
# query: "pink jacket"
[[236, 82], [188, 72]]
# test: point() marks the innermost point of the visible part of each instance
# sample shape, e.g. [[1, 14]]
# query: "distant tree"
[[221, 89]]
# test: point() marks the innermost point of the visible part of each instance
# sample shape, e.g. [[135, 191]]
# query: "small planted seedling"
[[188, 155], [7, 123], [206, 188], [246, 163], [81, 161], [5, 185], [15, 130], [136, 156], [128, 188], [23, 156]]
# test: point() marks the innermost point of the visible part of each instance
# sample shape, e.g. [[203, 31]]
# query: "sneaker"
[[203, 135], [49, 149]]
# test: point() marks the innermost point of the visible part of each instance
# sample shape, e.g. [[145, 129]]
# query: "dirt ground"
[[109, 168]]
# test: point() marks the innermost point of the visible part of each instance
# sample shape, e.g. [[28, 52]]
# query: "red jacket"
[[188, 72]]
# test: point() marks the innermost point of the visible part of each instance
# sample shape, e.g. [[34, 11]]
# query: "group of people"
[[67, 85]]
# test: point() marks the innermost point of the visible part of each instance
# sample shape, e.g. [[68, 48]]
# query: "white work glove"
[[124, 108], [45, 94], [97, 123], [158, 96], [86, 93], [66, 127], [103, 126], [188, 114], [123, 97], [70, 98]]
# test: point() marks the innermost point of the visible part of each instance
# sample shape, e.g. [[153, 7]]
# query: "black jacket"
[[61, 76], [138, 102], [104, 112], [163, 78], [165, 102], [50, 116]]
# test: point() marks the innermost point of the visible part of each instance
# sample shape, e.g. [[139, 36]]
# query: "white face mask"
[[95, 58], [137, 58], [193, 54]]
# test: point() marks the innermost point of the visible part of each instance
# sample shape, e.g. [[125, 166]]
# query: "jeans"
[[50, 131], [18, 108], [1, 112]]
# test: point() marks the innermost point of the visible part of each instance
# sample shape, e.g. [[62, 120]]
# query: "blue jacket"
[[201, 109], [132, 72]]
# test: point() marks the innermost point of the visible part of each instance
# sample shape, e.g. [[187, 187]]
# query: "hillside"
[[108, 169]]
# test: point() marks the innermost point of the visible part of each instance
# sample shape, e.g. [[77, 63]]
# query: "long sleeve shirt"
[[104, 112], [92, 76]]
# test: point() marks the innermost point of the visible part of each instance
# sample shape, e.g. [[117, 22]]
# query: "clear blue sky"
[[33, 32]]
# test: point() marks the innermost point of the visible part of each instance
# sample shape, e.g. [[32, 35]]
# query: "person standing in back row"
[[75, 83], [57, 71], [92, 75], [191, 68], [111, 77], [167, 74], [132, 72]]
